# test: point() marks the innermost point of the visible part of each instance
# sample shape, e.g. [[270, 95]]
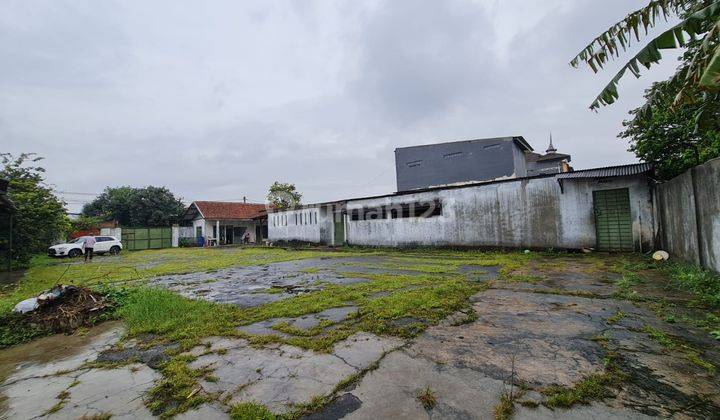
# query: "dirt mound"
[[72, 307]]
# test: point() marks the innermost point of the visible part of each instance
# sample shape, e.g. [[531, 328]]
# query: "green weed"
[[427, 398], [505, 408], [593, 387], [251, 411], [691, 354], [178, 391]]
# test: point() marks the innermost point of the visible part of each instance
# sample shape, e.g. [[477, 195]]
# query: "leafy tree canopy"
[[283, 196], [84, 223], [669, 137], [149, 206], [40, 219]]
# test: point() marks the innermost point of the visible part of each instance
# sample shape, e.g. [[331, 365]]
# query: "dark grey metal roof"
[[608, 171], [519, 140]]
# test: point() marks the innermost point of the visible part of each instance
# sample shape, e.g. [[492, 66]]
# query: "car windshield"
[[77, 241]]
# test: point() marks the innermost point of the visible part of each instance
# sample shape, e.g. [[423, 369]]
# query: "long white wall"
[[523, 213]]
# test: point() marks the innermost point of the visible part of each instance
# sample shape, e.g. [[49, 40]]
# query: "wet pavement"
[[554, 331], [304, 322], [258, 285]]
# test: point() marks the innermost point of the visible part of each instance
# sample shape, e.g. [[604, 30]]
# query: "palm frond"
[[619, 36], [694, 25]]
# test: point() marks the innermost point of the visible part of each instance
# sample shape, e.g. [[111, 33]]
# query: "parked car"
[[74, 248]]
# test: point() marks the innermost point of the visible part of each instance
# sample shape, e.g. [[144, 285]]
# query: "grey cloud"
[[218, 100]]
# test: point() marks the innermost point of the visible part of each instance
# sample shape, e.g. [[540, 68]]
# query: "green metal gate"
[[146, 238], [613, 220]]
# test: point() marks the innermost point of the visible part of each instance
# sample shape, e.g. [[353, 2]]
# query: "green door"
[[613, 221], [339, 229]]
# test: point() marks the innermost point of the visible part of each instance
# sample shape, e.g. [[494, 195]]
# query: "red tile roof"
[[227, 210]]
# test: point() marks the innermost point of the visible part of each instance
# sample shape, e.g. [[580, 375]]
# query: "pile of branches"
[[74, 307]]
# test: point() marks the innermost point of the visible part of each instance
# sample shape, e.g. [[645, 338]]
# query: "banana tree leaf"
[[650, 54], [710, 78]]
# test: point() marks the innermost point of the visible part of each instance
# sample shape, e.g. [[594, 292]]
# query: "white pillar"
[[175, 236], [217, 232]]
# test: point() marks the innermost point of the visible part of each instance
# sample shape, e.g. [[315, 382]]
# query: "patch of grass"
[[524, 278], [596, 386], [176, 318], [101, 416], [178, 391], [615, 318], [660, 336], [63, 397], [593, 387], [427, 398], [504, 408], [691, 354], [14, 331], [44, 272], [251, 411], [703, 283], [310, 332], [299, 410], [628, 280]]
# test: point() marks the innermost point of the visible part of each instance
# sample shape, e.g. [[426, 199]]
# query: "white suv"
[[74, 248]]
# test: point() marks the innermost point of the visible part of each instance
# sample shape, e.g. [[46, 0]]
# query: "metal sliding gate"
[[146, 238]]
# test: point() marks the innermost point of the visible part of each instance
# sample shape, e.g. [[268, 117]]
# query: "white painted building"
[[225, 223], [315, 223]]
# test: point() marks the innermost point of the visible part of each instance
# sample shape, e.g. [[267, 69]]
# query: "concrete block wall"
[[305, 225], [689, 213]]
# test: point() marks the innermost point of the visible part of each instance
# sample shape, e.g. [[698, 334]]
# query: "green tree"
[[698, 77], [149, 206], [41, 218], [283, 196], [84, 223], [669, 137]]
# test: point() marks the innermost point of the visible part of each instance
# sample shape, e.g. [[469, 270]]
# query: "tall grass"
[[703, 283]]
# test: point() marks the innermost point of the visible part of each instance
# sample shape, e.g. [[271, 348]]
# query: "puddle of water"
[[49, 349], [9, 279]]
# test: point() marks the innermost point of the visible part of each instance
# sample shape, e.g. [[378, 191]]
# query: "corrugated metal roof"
[[608, 171]]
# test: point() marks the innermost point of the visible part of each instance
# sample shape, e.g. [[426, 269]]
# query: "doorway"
[[613, 220], [338, 229], [239, 232]]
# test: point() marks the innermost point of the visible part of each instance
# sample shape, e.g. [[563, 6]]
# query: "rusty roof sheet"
[[608, 171]]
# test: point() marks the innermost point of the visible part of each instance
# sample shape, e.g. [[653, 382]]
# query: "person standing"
[[88, 246]]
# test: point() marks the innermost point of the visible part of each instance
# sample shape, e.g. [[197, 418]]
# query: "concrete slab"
[[205, 412], [117, 392], [283, 376], [304, 322], [391, 391]]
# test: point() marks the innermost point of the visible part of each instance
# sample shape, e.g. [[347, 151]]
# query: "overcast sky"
[[218, 99]]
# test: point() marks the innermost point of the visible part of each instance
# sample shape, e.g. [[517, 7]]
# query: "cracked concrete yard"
[[548, 328]]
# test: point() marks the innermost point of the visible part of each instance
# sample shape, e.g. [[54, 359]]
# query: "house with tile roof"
[[225, 223]]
